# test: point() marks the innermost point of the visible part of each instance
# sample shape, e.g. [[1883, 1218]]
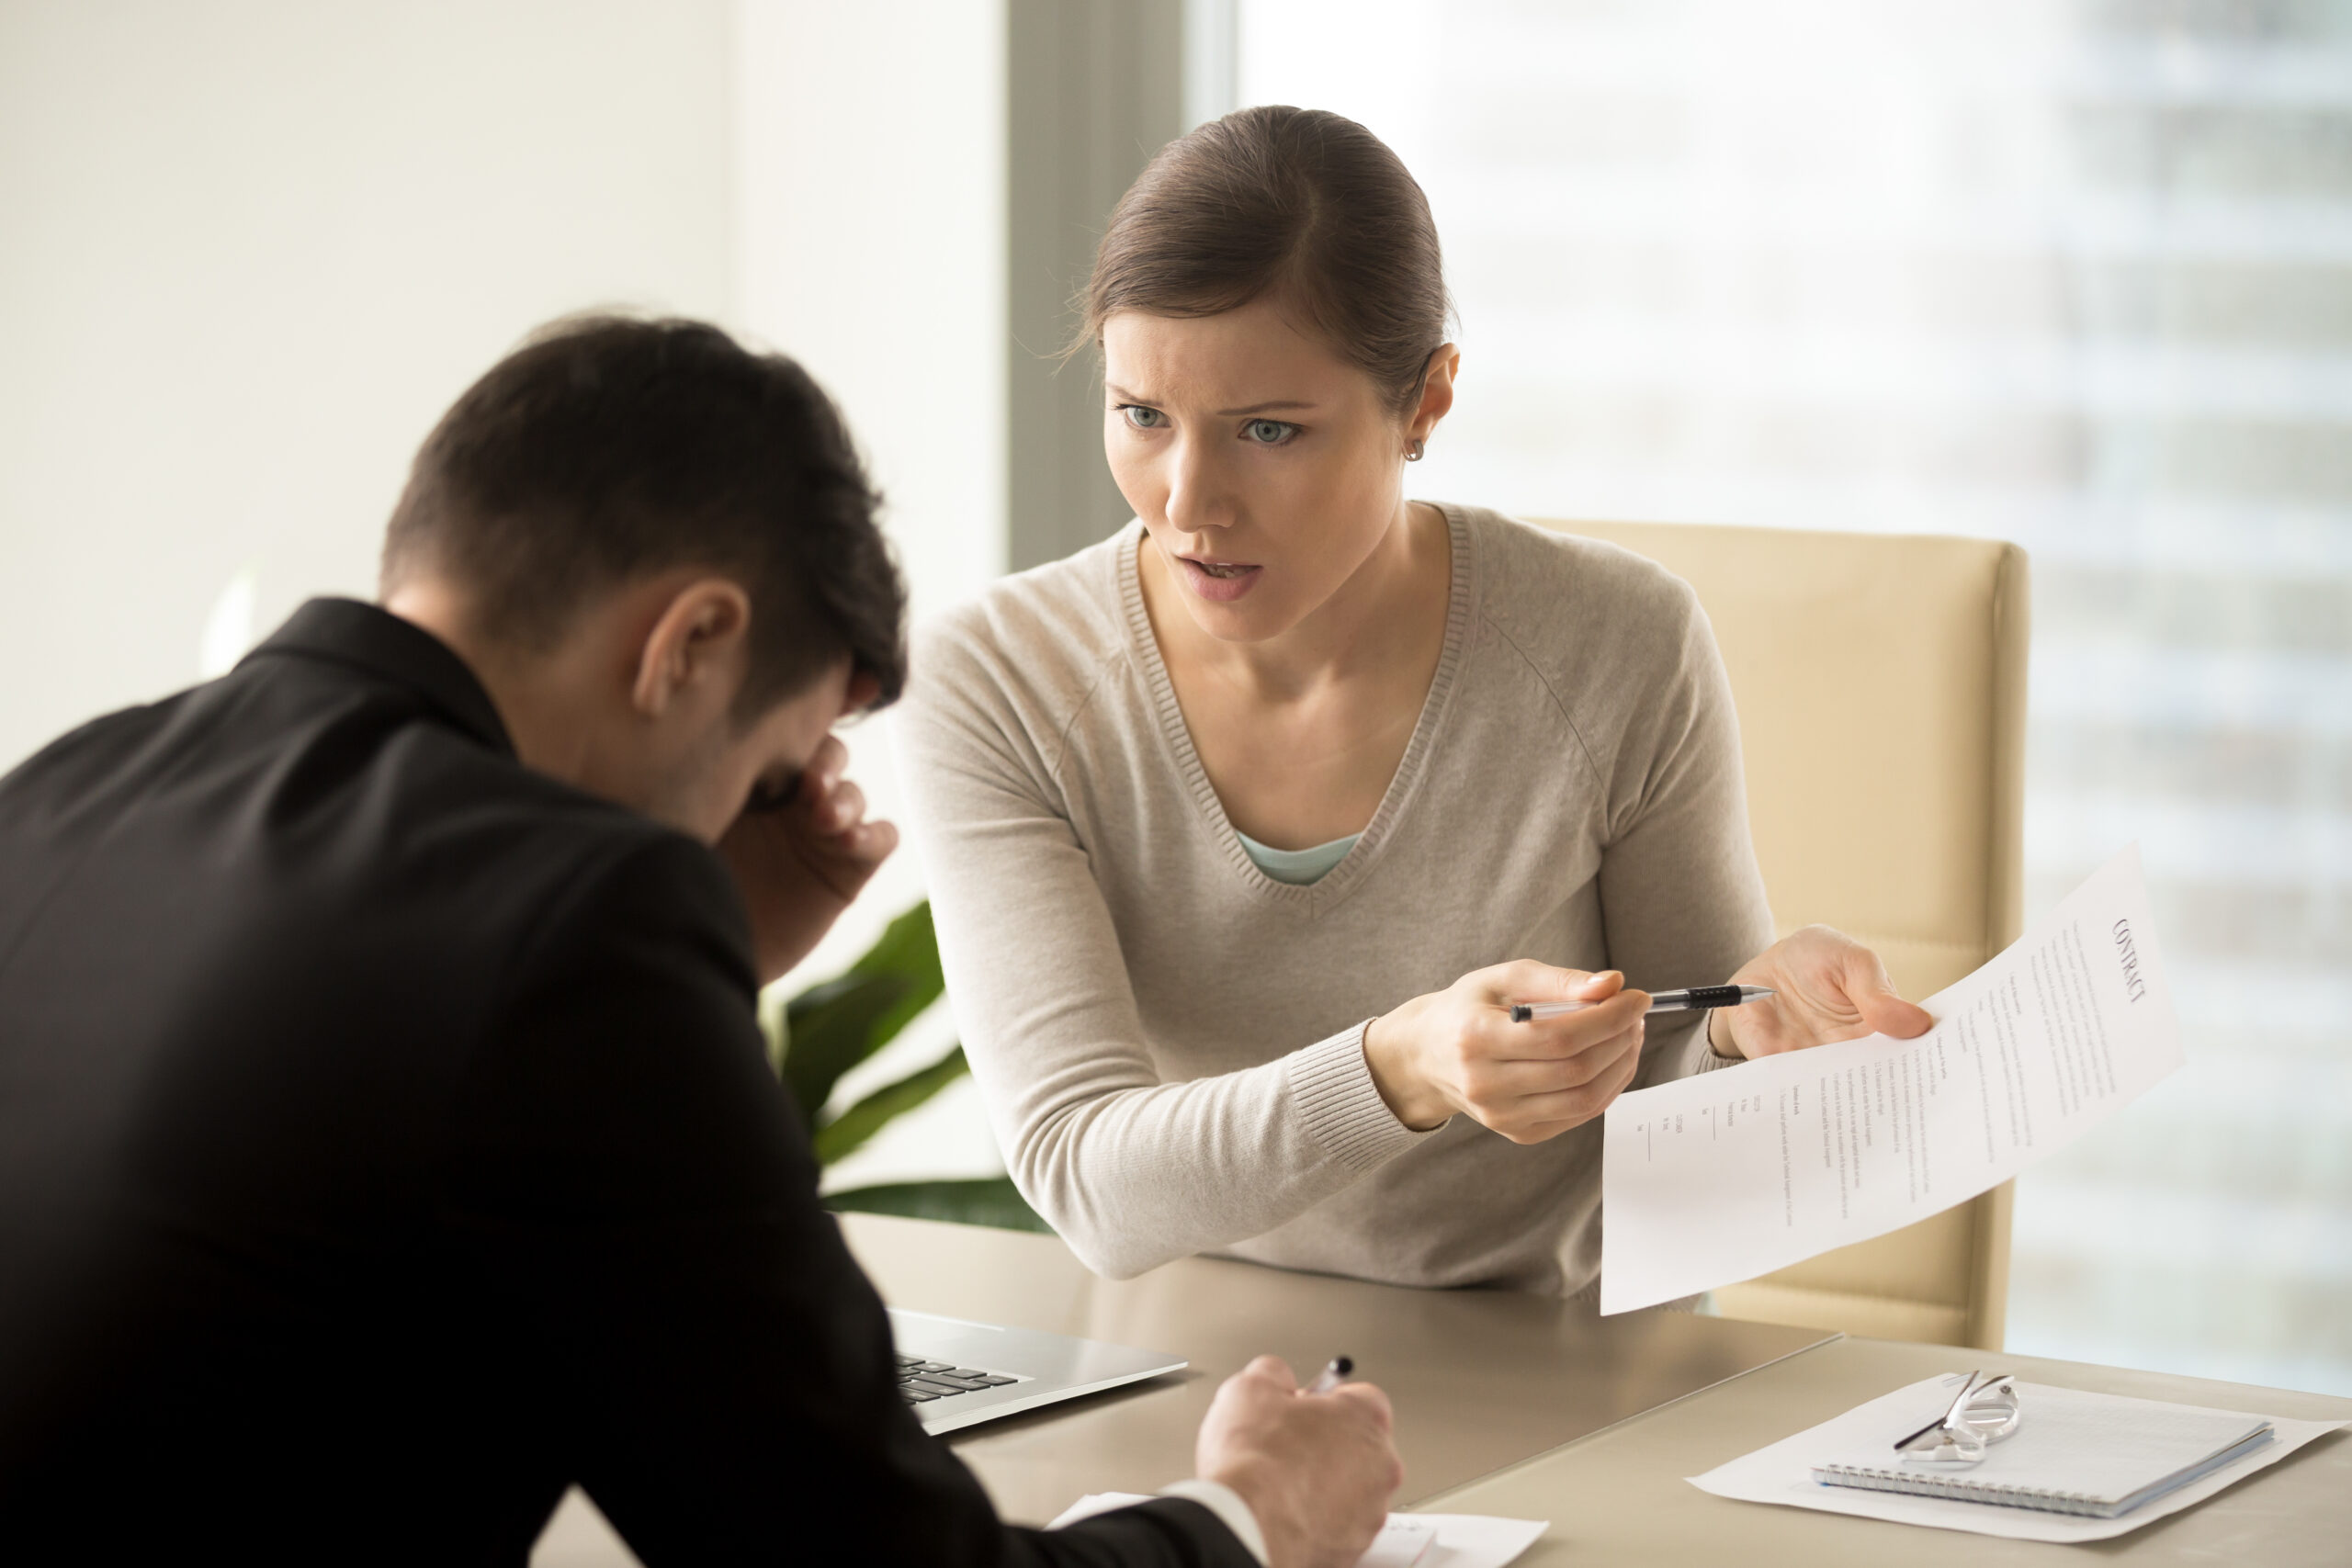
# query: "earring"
[[1413, 453]]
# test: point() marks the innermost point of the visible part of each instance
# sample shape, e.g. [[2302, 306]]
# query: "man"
[[385, 1139]]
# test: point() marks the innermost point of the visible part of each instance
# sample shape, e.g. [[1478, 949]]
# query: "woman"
[[1245, 827]]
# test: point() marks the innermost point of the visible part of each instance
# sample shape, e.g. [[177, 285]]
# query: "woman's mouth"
[[1221, 582]]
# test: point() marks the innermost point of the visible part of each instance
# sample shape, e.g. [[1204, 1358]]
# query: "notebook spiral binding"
[[1961, 1489]]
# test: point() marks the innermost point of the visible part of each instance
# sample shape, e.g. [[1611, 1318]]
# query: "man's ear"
[[697, 639]]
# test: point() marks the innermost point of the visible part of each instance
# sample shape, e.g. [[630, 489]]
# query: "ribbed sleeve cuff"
[[1331, 1084], [1707, 1061], [1696, 1055]]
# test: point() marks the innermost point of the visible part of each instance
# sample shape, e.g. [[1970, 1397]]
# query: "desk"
[[1480, 1379], [1619, 1496], [1519, 1406]]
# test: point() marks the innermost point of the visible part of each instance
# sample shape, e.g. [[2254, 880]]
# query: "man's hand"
[[1317, 1468], [799, 863], [1457, 1051], [1828, 987]]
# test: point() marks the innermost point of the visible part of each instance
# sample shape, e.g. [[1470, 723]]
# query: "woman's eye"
[[1268, 432], [1143, 418]]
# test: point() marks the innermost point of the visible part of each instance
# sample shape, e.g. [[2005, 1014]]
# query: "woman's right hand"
[[1457, 1052]]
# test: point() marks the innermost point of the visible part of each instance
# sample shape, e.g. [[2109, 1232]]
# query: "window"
[[2075, 275]]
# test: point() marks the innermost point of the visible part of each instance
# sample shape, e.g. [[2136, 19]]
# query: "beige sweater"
[[1170, 1043]]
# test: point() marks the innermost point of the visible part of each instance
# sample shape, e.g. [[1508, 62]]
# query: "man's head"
[[658, 550]]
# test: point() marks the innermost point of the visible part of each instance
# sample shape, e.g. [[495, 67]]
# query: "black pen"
[[1332, 1376], [1696, 999]]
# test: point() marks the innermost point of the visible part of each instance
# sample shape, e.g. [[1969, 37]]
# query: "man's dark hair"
[[606, 447]]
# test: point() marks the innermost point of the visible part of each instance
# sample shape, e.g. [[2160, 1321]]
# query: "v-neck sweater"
[[1170, 1043]]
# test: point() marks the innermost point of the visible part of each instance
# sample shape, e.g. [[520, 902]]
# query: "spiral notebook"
[[2093, 1454]]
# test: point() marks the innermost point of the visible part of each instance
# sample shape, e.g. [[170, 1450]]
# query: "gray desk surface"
[[1619, 1496], [1519, 1406], [1479, 1378]]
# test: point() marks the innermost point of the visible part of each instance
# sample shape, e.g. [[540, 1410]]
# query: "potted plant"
[[821, 1034]]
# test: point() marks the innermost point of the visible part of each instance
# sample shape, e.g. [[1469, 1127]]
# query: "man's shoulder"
[[320, 806], [522, 856]]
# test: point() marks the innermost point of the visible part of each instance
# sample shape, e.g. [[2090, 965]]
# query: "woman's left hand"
[[1828, 987]]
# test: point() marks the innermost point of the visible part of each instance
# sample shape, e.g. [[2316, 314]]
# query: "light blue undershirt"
[[1297, 867]]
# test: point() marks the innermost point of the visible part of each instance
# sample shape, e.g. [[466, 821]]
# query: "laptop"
[[955, 1373]]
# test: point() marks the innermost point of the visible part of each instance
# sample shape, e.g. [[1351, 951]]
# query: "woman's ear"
[[1437, 393], [696, 645]]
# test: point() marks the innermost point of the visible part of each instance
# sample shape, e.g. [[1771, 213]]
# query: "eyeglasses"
[[1982, 1413]]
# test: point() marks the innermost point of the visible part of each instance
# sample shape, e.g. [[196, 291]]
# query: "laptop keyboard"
[[921, 1382]]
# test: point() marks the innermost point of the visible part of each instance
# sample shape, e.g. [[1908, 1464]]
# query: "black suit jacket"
[[386, 1144]]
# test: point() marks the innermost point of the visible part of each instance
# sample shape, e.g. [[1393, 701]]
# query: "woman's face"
[[1266, 468]]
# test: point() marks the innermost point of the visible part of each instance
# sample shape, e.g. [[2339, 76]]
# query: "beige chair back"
[[1880, 684]]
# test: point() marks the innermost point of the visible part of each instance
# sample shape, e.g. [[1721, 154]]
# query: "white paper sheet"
[[1719, 1177], [1783, 1473], [1408, 1540]]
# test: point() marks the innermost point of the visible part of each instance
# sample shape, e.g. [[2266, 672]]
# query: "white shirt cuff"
[[1227, 1504]]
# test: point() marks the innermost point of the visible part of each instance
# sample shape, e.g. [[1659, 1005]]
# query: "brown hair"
[[1301, 204], [608, 446]]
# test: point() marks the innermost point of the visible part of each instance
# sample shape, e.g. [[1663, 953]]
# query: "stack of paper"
[[2089, 1423], [1408, 1540], [1720, 1177], [2074, 1453]]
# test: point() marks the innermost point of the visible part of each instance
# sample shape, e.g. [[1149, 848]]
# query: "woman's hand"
[[1456, 1051], [1828, 987]]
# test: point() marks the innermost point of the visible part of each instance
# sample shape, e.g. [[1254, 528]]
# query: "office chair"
[[1880, 685]]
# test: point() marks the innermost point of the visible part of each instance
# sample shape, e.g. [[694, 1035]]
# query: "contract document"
[[1716, 1178]]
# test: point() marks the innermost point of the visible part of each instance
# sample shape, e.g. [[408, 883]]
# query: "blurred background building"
[[2076, 273]]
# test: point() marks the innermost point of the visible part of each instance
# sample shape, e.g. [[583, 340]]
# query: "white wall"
[[869, 189], [870, 245], [252, 249]]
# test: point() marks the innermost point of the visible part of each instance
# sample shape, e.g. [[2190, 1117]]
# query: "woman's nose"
[[1196, 499]]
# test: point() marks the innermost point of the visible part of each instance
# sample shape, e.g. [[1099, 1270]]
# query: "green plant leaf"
[[776, 1027], [853, 1126], [832, 1028], [989, 1201], [907, 948]]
